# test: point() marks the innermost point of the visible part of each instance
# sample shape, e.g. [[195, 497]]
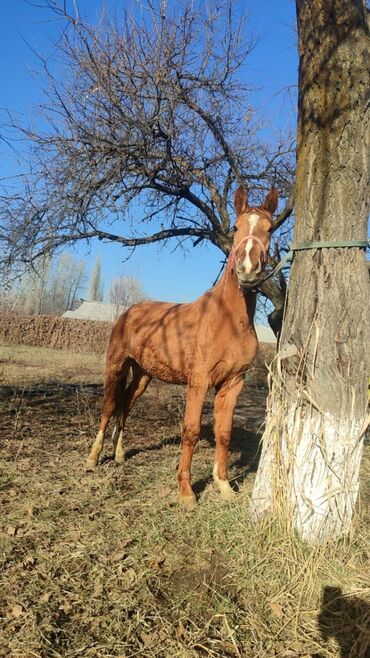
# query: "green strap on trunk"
[[320, 244], [328, 244]]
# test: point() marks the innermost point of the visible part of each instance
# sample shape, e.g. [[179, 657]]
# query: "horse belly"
[[165, 369], [161, 337]]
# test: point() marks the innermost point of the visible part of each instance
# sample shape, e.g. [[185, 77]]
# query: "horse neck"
[[240, 302]]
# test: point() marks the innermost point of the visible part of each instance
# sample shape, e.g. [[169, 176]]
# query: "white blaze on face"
[[247, 263]]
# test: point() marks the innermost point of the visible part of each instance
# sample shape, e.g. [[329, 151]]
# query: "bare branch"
[[144, 128], [286, 212]]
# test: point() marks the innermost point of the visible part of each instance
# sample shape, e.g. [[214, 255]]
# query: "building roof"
[[265, 334], [109, 312], [95, 311]]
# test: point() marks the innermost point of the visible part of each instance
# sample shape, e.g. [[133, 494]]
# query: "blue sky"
[[165, 273]]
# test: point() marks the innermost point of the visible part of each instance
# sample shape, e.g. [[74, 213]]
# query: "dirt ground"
[[55, 398], [107, 564]]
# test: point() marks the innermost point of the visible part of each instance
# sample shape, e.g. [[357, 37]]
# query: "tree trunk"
[[316, 417]]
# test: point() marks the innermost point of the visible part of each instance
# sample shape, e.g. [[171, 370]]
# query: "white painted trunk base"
[[309, 470]]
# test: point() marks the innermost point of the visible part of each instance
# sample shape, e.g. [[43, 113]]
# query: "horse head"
[[252, 233]]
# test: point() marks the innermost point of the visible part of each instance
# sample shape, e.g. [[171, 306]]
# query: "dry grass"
[[107, 565], [21, 364]]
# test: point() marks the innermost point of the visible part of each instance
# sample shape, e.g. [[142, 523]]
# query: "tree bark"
[[316, 417]]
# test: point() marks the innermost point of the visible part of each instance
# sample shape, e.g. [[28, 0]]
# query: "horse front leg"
[[225, 400], [190, 434]]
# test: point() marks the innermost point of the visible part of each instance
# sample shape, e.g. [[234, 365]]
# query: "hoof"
[[119, 459], [90, 465], [228, 494], [188, 502]]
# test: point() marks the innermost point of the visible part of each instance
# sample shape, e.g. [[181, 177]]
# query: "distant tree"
[[96, 289], [76, 283], [67, 280], [125, 291], [144, 135], [34, 286], [50, 290], [318, 406]]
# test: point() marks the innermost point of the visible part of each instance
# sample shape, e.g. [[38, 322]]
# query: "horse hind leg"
[[114, 384], [140, 381], [118, 453]]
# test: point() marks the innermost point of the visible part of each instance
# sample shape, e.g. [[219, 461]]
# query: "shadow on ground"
[[154, 423], [347, 620]]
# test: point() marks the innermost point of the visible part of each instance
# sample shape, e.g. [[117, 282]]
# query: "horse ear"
[[240, 200], [271, 201]]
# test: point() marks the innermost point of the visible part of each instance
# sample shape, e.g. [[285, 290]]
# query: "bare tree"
[[67, 280], [144, 135], [34, 286], [317, 411], [76, 283], [125, 291], [96, 291], [51, 289]]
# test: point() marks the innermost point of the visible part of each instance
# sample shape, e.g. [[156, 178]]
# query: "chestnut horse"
[[209, 343]]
